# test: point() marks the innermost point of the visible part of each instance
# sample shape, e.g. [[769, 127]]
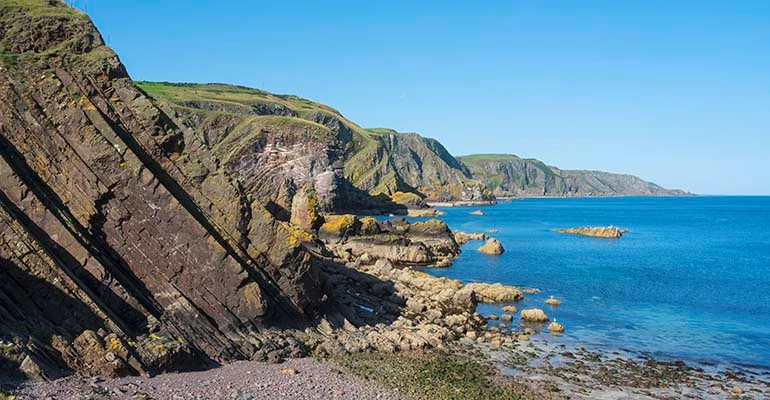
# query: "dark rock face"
[[125, 244]]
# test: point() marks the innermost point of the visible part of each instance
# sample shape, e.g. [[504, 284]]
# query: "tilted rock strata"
[[120, 223]]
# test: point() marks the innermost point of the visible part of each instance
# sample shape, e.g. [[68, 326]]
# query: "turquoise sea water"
[[691, 280]]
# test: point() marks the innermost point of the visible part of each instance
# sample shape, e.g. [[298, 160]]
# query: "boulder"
[[553, 302], [510, 309], [492, 247], [534, 315], [555, 327], [507, 317]]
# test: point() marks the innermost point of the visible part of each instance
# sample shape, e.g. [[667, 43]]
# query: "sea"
[[689, 281]]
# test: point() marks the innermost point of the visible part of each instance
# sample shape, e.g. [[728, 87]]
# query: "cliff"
[[508, 175], [349, 166], [126, 243]]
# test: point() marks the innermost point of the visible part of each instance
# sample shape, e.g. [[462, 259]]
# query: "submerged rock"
[[553, 302], [610, 232], [510, 309], [492, 247], [534, 315]]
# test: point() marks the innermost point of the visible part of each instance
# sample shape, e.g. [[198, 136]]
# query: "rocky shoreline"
[[379, 304]]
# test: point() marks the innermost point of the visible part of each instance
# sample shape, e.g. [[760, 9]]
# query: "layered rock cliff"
[[126, 245], [348, 165], [508, 175]]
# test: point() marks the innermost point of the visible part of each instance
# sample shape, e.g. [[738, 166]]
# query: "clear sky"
[[677, 92]]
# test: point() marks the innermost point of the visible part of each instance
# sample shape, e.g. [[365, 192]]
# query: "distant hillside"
[[509, 175], [232, 120]]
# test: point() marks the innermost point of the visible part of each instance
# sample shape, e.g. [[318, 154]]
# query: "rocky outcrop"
[[609, 232], [508, 175], [396, 240], [391, 162], [461, 237], [127, 245], [492, 247]]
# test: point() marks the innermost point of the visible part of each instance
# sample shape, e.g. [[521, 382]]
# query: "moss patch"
[[437, 376], [339, 224]]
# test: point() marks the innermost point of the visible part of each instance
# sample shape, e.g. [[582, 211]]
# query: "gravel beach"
[[305, 378]]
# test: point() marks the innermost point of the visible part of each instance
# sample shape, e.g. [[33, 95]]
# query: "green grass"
[[223, 93], [233, 96], [382, 131], [40, 8], [436, 376], [473, 158], [7, 58], [472, 162]]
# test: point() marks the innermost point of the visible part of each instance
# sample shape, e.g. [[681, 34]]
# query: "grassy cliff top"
[[40, 8], [472, 158], [233, 94], [473, 161], [229, 97]]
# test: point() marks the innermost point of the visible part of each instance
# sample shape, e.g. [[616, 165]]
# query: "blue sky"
[[677, 92]]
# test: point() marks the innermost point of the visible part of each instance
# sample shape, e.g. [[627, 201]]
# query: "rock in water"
[[492, 247], [610, 232], [477, 212], [510, 309], [462, 237], [495, 292], [553, 302], [555, 327], [534, 315]]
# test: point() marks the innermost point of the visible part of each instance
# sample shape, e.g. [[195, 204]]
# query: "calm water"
[[691, 280]]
